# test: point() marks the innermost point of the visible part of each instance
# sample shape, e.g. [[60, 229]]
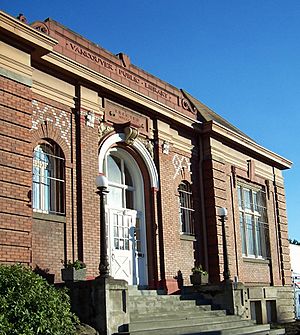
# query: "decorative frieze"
[[48, 114], [104, 129], [180, 163]]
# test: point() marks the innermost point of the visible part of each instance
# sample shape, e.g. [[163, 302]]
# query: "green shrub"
[[30, 306]]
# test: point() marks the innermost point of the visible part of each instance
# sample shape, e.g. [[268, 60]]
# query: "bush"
[[30, 306]]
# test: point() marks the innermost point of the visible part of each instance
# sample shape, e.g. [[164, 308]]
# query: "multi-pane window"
[[186, 208], [48, 187], [253, 222]]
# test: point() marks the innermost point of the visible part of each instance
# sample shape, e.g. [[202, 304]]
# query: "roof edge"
[[217, 128]]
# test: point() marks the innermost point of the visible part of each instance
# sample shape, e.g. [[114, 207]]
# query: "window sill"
[[186, 237], [48, 217], [256, 260]]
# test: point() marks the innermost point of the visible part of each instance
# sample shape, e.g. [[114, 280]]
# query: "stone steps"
[[155, 313]]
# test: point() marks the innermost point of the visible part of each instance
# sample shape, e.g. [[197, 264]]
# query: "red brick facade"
[[81, 97], [15, 172]]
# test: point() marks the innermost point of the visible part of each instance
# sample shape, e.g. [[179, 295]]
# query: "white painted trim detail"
[[140, 148]]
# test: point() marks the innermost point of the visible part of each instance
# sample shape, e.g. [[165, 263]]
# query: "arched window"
[[120, 181], [48, 181], [186, 208]]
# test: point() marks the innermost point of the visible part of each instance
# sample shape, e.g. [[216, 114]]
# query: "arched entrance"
[[125, 217], [125, 208]]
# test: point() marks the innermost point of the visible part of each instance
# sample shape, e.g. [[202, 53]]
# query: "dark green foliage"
[[30, 306], [77, 265], [294, 241]]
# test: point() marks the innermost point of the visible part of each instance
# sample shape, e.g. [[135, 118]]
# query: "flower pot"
[[199, 279], [71, 274]]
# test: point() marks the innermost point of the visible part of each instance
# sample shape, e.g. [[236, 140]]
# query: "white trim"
[[140, 148]]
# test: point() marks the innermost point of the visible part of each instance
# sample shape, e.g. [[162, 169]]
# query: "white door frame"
[[125, 208]]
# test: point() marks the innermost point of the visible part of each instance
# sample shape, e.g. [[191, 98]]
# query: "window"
[[48, 189], [253, 222], [121, 185], [186, 208]]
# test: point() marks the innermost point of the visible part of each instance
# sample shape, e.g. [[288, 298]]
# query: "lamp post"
[[102, 185], [222, 213]]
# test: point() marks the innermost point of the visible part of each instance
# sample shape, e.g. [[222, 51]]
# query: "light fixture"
[[222, 213], [101, 181], [102, 185]]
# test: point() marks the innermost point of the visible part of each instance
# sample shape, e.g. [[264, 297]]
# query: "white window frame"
[[48, 182], [255, 232], [186, 209]]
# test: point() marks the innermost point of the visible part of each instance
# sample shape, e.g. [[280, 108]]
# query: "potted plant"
[[73, 271], [199, 276]]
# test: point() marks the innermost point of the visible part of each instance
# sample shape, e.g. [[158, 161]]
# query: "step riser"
[[220, 329], [139, 305], [167, 309], [171, 315], [161, 324]]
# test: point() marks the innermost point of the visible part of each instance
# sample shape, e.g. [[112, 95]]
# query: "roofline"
[[232, 136], [20, 30]]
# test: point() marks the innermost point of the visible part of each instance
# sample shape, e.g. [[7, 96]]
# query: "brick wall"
[[90, 200], [220, 179], [178, 249], [15, 172], [54, 237]]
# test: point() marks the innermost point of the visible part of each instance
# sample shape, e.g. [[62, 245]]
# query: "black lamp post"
[[102, 185], [223, 215]]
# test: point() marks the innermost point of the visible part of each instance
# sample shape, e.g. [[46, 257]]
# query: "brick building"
[[71, 110]]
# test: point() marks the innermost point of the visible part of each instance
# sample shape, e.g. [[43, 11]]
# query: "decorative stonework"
[[131, 134], [58, 118], [40, 26], [22, 18], [118, 114], [148, 145], [104, 129], [180, 163]]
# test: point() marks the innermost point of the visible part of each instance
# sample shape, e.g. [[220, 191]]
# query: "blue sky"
[[239, 57]]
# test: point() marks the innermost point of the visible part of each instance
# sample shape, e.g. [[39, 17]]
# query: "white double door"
[[127, 246]]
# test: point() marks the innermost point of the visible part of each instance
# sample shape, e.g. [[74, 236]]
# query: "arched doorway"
[[125, 217], [131, 173]]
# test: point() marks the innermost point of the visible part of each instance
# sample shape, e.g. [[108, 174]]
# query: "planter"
[[71, 274], [199, 279]]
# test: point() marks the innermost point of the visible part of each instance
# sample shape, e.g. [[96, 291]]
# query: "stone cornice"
[[90, 75], [238, 140], [22, 31]]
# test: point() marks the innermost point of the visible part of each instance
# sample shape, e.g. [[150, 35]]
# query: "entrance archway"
[[125, 217], [125, 208]]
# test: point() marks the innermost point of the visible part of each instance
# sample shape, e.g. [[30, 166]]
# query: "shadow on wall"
[[45, 274]]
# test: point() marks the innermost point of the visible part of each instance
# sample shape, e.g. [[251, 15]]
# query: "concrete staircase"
[[152, 312]]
